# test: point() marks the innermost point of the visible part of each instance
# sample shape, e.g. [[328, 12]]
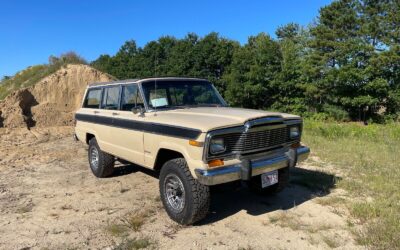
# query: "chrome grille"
[[254, 141]]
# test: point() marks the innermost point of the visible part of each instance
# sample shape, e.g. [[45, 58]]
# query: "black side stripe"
[[156, 128]]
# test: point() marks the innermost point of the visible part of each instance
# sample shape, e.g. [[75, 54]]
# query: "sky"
[[31, 31]]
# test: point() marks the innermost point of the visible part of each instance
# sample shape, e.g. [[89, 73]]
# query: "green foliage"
[[33, 74], [346, 66], [251, 76], [205, 57]]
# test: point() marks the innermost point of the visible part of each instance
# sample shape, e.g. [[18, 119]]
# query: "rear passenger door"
[[107, 114], [129, 139]]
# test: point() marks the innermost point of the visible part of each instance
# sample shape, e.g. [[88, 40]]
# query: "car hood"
[[210, 118]]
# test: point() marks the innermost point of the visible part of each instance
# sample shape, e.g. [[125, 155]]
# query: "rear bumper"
[[248, 168]]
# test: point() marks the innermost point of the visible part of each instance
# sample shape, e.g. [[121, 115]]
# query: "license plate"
[[268, 179]]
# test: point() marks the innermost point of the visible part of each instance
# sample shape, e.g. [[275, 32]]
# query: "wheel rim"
[[94, 157], [175, 192]]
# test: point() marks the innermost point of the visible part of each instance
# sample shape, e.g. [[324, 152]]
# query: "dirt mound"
[[52, 101]]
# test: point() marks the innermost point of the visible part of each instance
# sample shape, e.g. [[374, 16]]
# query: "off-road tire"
[[283, 181], [197, 195], [105, 166]]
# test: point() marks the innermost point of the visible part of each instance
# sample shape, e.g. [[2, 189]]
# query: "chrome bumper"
[[251, 167]]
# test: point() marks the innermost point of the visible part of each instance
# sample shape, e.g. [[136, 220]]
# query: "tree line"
[[345, 66]]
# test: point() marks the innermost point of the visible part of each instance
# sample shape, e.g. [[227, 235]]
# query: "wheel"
[[101, 163], [184, 198], [283, 180]]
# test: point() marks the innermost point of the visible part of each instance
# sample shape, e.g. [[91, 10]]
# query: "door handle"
[[96, 112], [115, 113]]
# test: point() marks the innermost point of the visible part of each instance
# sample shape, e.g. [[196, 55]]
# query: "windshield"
[[181, 94]]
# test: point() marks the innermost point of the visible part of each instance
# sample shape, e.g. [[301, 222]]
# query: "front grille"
[[255, 141]]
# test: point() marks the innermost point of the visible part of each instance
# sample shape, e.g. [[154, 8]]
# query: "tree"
[[254, 68]]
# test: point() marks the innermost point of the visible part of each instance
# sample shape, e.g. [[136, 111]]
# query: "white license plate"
[[268, 179]]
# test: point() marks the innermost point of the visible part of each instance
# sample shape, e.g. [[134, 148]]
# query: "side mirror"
[[138, 109]]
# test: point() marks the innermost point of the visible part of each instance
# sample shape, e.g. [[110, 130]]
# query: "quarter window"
[[111, 98], [93, 98]]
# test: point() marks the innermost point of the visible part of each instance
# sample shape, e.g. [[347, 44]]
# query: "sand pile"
[[52, 101]]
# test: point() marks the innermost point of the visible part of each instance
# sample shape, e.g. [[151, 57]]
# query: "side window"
[[111, 98], [131, 98], [93, 98]]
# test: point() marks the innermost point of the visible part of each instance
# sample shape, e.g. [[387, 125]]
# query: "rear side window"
[[111, 98], [131, 98], [93, 98]]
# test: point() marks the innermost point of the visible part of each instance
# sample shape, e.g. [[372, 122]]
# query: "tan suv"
[[182, 128]]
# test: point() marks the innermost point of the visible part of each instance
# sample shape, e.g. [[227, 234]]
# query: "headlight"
[[217, 146], [294, 132]]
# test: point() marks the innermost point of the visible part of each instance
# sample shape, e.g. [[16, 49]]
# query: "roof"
[[144, 80]]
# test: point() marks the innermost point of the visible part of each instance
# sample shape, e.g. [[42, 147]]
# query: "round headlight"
[[217, 146], [294, 132]]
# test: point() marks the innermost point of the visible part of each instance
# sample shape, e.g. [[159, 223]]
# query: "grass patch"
[[117, 230], [330, 201], [292, 221], [137, 219], [286, 219], [132, 221], [136, 243], [368, 157], [331, 241], [365, 211]]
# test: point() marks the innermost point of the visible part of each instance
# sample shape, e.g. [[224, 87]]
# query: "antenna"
[[155, 83]]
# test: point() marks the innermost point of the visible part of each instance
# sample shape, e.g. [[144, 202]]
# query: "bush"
[[336, 112]]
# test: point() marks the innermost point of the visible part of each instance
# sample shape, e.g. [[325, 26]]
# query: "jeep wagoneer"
[[183, 128]]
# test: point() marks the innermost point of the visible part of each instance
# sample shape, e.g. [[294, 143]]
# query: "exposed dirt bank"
[[52, 101]]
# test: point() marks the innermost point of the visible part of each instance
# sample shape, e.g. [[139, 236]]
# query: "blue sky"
[[33, 30]]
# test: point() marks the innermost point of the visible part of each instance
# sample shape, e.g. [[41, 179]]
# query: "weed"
[[117, 230], [330, 201], [137, 219], [331, 241], [285, 219], [136, 243]]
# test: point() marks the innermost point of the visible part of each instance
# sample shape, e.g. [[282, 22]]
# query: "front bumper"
[[248, 168]]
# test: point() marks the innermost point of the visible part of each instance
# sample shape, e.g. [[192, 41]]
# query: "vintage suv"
[[182, 128]]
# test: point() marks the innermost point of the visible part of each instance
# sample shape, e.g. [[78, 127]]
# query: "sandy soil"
[[50, 200]]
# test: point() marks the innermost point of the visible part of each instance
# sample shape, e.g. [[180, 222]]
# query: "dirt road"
[[50, 200]]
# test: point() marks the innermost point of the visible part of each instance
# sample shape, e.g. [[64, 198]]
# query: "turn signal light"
[[295, 145], [195, 143], [215, 163]]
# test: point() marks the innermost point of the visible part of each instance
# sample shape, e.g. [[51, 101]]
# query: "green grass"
[[368, 157]]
